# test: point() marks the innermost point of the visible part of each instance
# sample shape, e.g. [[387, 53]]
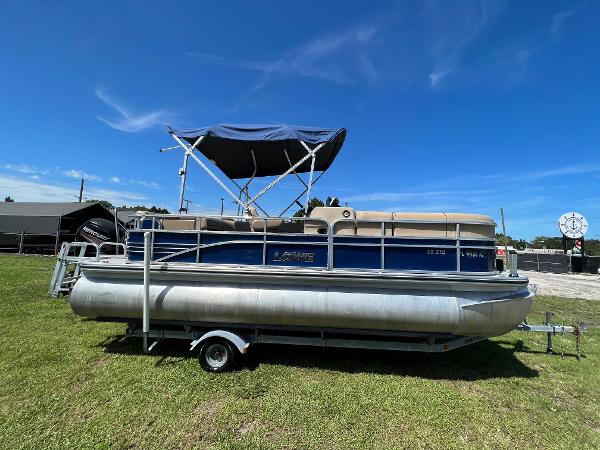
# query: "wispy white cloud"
[[23, 168], [532, 207], [559, 19], [490, 182], [436, 77], [146, 184], [128, 121], [554, 172], [396, 196], [58, 173], [78, 174], [313, 59], [453, 37], [26, 190]]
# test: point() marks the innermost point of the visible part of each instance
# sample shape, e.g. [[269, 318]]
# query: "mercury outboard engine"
[[99, 230]]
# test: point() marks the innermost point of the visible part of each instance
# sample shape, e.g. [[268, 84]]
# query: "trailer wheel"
[[217, 355]]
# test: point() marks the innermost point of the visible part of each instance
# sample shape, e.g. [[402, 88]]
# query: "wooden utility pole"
[[81, 191]]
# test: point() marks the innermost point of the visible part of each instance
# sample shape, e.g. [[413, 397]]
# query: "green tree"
[[333, 202], [108, 205], [592, 247], [152, 209], [502, 240], [520, 244], [547, 242], [313, 203]]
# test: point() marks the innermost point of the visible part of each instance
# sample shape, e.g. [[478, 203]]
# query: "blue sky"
[[449, 105]]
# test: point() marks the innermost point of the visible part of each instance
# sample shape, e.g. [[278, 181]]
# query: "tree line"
[[153, 209], [592, 246]]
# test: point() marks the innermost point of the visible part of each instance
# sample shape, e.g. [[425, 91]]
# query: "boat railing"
[[456, 241], [473, 254], [155, 217]]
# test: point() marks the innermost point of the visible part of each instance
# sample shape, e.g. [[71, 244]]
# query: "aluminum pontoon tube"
[[471, 313]]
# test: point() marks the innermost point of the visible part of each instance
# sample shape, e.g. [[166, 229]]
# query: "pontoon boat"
[[336, 270]]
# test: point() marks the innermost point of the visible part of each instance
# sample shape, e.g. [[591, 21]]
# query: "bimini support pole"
[[190, 152], [183, 175], [310, 182], [248, 198], [290, 170], [146, 309], [183, 171], [295, 201]]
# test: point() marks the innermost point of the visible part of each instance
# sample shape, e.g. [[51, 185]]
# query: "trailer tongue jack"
[[552, 330]]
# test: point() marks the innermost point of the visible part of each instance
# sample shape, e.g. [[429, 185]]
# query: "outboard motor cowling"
[[99, 230]]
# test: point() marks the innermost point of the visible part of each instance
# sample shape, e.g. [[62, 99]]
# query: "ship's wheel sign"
[[573, 225]]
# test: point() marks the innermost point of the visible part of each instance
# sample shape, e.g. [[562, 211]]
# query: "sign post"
[[573, 227]]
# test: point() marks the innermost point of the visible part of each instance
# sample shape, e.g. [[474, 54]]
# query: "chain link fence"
[[558, 263]]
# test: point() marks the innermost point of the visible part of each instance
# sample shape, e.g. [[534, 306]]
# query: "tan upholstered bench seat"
[[373, 228], [272, 225], [487, 229], [417, 224], [177, 224], [198, 223]]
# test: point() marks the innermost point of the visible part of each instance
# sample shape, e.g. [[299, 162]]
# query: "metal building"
[[40, 227]]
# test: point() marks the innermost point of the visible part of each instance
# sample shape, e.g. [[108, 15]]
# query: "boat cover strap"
[[230, 147]]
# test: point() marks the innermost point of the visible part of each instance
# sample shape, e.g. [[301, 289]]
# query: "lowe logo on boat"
[[294, 257]]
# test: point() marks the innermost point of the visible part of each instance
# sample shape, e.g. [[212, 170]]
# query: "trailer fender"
[[241, 344]]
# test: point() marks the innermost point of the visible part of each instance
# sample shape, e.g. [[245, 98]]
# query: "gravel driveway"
[[585, 286]]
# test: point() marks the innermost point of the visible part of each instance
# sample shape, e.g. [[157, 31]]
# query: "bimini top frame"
[[253, 151]]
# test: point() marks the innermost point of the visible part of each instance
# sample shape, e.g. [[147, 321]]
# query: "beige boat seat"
[[178, 224], [197, 223], [214, 224], [329, 215], [259, 223], [417, 225], [373, 228], [486, 229]]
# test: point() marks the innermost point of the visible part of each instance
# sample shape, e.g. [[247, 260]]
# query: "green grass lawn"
[[66, 382]]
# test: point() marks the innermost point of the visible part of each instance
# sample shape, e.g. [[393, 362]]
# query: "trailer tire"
[[217, 355]]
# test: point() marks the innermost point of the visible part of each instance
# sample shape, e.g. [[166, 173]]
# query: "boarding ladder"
[[68, 264]]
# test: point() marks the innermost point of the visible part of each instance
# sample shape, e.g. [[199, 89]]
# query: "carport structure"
[[40, 227]]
